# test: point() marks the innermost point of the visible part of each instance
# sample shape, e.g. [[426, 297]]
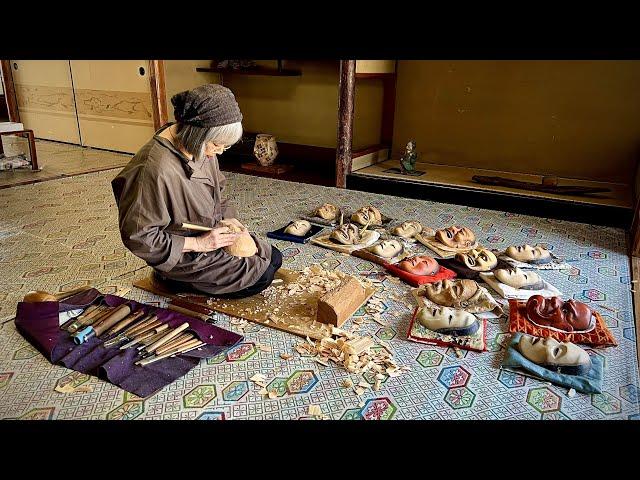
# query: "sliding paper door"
[[113, 98], [45, 99]]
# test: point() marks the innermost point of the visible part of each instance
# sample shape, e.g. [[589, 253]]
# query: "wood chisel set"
[[123, 328]]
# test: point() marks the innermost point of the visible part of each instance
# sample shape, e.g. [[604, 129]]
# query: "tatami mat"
[[63, 233]]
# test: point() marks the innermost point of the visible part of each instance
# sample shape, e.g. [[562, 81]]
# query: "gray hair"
[[194, 139]]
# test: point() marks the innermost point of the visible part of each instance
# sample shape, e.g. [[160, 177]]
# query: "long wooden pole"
[[347, 90], [158, 93], [9, 91]]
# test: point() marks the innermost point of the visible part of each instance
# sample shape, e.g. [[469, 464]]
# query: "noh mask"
[[407, 229], [516, 278], [299, 228], [529, 254], [327, 211], [561, 357], [555, 313], [367, 215], [456, 237], [448, 321], [453, 293], [346, 234], [420, 265], [386, 249], [478, 259]]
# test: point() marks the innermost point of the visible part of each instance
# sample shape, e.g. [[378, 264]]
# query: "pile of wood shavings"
[[355, 355]]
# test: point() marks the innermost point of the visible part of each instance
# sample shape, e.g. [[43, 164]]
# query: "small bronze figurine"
[[408, 160]]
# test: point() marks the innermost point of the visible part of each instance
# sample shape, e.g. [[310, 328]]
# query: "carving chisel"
[[133, 330], [88, 317], [176, 342], [189, 313], [92, 319], [161, 341], [96, 330], [187, 347], [143, 335], [118, 327]]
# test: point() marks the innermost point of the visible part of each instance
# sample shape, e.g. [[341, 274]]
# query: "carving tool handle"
[[193, 344], [128, 320], [118, 314], [189, 313], [176, 342], [62, 295], [156, 334], [138, 327], [175, 332], [139, 337], [198, 228]]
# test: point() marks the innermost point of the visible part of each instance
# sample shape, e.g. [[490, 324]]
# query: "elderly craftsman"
[[175, 178]]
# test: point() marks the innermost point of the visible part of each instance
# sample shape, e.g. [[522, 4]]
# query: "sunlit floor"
[[58, 160]]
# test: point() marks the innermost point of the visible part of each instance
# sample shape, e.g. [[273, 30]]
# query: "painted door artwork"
[[113, 99], [44, 92], [101, 104]]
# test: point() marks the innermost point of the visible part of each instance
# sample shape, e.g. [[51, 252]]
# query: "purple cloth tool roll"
[[39, 324]]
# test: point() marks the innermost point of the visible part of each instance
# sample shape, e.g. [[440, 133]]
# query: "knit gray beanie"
[[210, 105]]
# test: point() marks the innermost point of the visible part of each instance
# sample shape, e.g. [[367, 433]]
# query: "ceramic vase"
[[265, 149]]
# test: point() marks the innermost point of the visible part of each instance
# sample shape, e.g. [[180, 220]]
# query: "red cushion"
[[600, 336], [417, 280]]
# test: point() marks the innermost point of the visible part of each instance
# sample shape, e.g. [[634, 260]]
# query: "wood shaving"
[[346, 383], [69, 388], [359, 391], [272, 394], [259, 379], [264, 348], [286, 356], [314, 410], [321, 362]]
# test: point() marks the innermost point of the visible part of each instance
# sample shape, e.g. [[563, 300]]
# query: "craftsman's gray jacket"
[[159, 190]]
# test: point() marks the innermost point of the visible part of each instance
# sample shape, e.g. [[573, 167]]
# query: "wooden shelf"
[[460, 178], [268, 71]]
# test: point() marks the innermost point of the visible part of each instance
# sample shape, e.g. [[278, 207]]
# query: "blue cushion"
[[590, 382]]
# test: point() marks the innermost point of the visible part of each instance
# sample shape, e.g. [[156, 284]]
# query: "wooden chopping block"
[[335, 307]]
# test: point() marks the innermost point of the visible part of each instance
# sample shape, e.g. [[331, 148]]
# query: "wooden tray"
[[290, 313]]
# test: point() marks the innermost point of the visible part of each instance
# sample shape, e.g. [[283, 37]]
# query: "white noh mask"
[[448, 321]]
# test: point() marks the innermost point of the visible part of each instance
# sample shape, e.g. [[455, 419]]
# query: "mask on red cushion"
[[420, 265], [554, 312]]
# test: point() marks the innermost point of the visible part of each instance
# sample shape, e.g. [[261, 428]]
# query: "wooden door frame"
[[158, 93], [9, 91], [346, 96]]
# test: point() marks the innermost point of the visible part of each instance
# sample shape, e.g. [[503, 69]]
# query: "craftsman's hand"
[[235, 222], [217, 238]]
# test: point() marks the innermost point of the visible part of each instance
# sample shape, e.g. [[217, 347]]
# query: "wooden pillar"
[[346, 96], [10, 91], [158, 93]]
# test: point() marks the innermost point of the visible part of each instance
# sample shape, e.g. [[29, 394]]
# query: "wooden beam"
[[158, 93], [346, 95], [9, 91]]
